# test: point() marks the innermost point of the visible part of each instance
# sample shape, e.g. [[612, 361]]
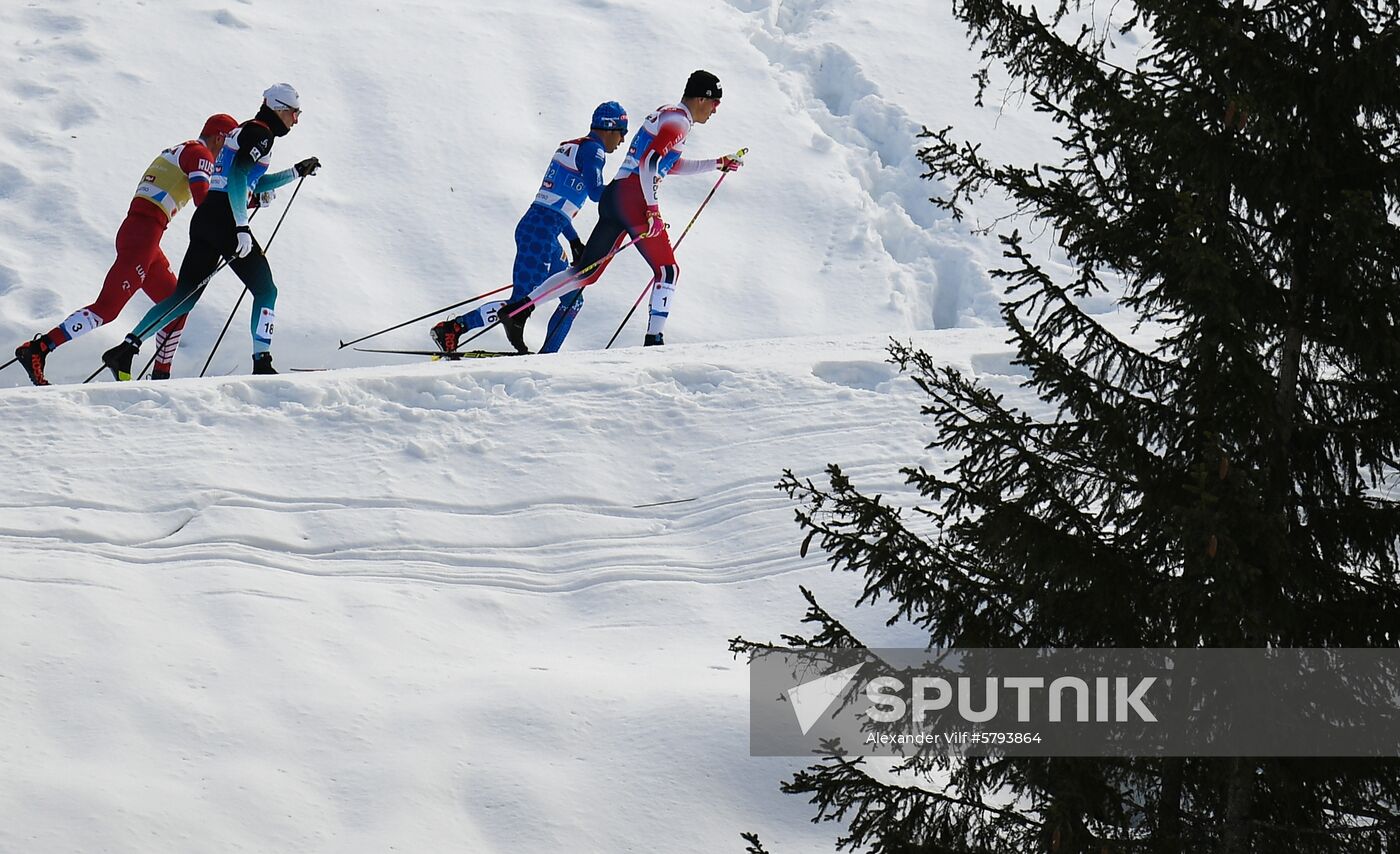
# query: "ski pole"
[[344, 344], [227, 323], [645, 290], [738, 155], [741, 152], [572, 277], [239, 302]]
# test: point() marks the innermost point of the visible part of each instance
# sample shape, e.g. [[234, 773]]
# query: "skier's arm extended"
[[691, 167], [273, 180]]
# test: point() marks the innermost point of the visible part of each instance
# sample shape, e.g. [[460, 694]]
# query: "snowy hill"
[[466, 607], [447, 607]]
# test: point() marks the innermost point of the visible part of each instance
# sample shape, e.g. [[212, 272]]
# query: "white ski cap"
[[281, 96]]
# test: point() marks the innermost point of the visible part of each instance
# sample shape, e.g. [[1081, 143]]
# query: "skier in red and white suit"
[[176, 177], [629, 205]]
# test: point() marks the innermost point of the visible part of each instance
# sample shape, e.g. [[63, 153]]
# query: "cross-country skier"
[[629, 207], [574, 178], [178, 175], [219, 229]]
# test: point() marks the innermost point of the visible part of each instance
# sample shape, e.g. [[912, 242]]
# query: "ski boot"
[[160, 373], [31, 356], [653, 340], [445, 334], [118, 359], [262, 364], [515, 326]]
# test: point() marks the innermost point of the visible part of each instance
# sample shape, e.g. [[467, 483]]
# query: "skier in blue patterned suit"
[[574, 178]]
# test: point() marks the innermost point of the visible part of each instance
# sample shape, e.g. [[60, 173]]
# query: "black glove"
[[307, 167], [576, 246]]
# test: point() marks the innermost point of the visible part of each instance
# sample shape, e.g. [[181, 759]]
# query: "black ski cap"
[[703, 84]]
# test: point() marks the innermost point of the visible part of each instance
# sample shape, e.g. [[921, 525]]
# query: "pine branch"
[[754, 846]]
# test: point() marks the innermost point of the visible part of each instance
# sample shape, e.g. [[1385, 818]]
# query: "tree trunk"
[[1167, 839], [1238, 800]]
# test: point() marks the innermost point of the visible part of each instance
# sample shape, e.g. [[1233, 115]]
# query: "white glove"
[[245, 242]]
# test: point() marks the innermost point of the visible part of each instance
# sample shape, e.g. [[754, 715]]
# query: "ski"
[[452, 355]]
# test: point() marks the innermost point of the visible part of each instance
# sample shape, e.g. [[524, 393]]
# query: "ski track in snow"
[[623, 544], [879, 139]]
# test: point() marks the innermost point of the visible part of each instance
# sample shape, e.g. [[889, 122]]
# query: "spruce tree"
[[1229, 484]]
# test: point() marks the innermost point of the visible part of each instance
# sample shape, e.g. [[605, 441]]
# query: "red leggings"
[[140, 266], [622, 213]]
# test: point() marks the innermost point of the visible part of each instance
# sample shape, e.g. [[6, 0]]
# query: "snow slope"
[[420, 608], [467, 607]]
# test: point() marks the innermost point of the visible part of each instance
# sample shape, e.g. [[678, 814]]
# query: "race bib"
[[490, 312], [81, 321], [265, 321]]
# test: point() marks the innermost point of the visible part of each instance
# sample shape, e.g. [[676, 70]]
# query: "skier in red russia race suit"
[[178, 175], [629, 207]]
